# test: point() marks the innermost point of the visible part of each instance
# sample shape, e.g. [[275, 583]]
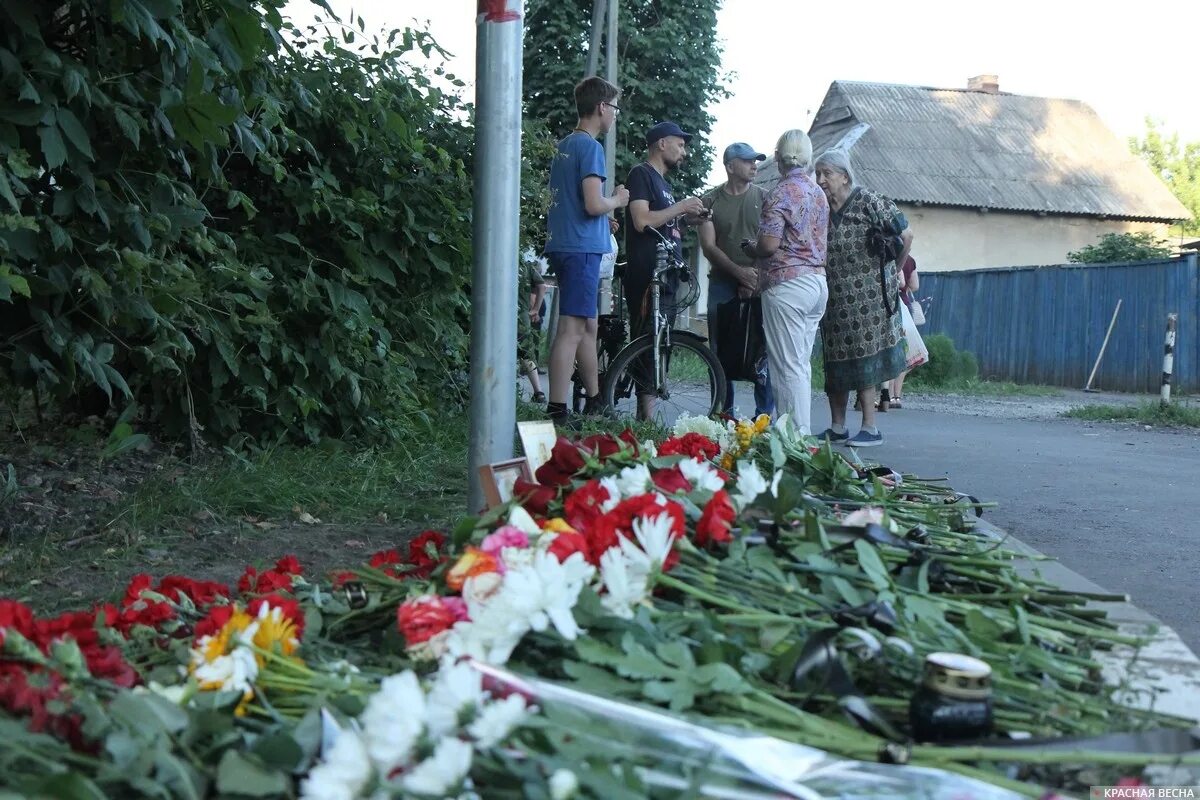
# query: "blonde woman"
[[790, 257]]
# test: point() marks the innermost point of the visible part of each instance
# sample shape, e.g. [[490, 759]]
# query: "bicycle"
[[676, 369]]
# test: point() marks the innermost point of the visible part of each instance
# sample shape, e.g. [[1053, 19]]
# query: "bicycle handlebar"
[[673, 262]]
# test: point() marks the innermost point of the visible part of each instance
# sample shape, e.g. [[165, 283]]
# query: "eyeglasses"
[[616, 108]]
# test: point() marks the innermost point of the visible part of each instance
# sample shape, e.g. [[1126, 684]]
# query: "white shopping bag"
[[915, 352], [608, 261]]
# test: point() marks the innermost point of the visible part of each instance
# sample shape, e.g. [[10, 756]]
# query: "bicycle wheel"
[[694, 382]]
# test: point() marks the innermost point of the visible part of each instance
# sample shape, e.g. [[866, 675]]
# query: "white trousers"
[[791, 313]]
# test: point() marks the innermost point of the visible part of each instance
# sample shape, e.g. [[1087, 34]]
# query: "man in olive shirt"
[[735, 209]]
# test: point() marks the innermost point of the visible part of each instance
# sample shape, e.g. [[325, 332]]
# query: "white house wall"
[[946, 239]]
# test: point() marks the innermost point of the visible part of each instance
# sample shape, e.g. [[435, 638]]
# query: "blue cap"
[[664, 129], [743, 151]]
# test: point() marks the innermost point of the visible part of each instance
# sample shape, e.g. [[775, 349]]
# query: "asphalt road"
[[1117, 503]]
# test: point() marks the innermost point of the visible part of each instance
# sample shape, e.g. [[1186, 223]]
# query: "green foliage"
[[122, 439], [10, 487], [1177, 414], [255, 230], [947, 364], [1116, 247], [669, 68], [1177, 164]]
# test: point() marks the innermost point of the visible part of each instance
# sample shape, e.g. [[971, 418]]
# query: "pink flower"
[[458, 607], [507, 536]]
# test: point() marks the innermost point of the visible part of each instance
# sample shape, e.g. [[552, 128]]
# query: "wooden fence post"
[[1168, 359]]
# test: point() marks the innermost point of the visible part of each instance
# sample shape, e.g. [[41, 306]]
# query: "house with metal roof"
[[987, 178]]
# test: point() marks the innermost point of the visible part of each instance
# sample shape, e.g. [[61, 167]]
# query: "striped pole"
[[1168, 359]]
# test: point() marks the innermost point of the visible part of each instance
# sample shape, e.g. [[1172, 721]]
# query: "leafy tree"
[[1117, 247], [254, 230], [668, 68], [1177, 164]]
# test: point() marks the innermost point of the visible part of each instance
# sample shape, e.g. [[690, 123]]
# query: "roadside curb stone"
[[1165, 675]]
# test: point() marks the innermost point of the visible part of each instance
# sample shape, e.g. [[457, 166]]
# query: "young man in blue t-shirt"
[[578, 236]]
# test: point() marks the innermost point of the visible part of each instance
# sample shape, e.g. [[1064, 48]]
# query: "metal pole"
[[593, 62], [497, 201], [610, 75], [1168, 359]]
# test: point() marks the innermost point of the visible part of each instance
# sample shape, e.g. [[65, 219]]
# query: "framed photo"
[[498, 479], [537, 439]]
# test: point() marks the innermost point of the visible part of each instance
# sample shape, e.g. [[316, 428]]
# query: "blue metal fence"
[[1046, 324]]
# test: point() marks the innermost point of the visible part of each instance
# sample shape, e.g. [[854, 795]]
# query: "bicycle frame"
[[661, 330], [642, 366]]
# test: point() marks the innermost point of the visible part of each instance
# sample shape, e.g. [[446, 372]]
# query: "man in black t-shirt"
[[652, 205]]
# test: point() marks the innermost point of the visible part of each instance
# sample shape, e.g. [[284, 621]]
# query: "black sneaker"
[[865, 439], [538, 399], [595, 407], [567, 420], [834, 436]]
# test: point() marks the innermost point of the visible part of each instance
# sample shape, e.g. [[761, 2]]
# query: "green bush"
[[947, 364], [254, 230]]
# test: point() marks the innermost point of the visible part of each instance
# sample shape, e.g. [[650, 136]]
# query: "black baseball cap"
[[664, 129]]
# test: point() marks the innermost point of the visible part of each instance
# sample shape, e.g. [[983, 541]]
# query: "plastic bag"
[[741, 340], [915, 352], [729, 763]]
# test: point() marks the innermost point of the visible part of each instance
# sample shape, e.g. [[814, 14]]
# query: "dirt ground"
[[65, 543]]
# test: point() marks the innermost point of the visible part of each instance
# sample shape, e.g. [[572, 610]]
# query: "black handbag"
[[741, 341]]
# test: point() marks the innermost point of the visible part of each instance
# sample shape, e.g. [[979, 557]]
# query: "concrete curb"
[[1166, 674]]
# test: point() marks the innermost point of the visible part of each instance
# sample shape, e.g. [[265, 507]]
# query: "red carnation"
[[213, 621], [133, 590], [716, 520], [141, 612], [201, 593], [15, 616], [79, 625], [386, 561], [270, 581], [670, 481], [108, 663], [582, 506], [606, 530], [426, 552], [288, 564], [567, 544], [693, 444]]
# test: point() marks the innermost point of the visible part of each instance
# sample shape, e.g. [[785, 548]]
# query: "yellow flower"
[[276, 633], [228, 661], [558, 525], [472, 562], [761, 423]]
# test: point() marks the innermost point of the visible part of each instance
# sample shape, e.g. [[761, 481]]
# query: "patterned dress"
[[863, 346]]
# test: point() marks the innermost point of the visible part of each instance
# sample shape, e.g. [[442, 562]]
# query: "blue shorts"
[[578, 283]]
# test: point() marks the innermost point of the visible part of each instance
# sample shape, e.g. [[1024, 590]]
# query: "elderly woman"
[[862, 335], [790, 257]]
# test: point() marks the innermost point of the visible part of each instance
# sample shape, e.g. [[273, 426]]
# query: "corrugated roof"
[[981, 150]]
